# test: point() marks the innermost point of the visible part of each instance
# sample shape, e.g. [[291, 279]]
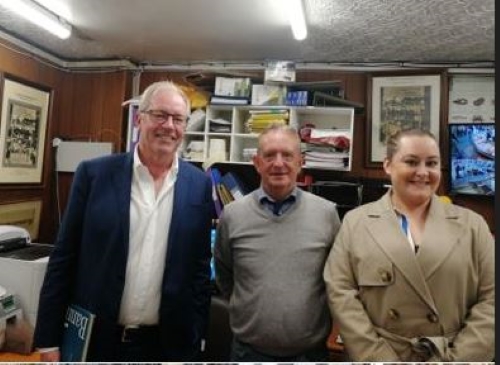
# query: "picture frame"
[[471, 99], [397, 103], [23, 130], [25, 214], [132, 128]]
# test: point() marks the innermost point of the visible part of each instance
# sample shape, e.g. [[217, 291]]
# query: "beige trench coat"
[[386, 298]]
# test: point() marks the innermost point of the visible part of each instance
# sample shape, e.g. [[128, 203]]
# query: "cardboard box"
[[268, 95]]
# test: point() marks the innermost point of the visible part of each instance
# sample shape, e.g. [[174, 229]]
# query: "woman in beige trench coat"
[[409, 277]]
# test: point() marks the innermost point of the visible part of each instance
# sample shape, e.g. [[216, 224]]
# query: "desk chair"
[[219, 335]]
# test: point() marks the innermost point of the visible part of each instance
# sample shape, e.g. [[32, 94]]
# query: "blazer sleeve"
[[57, 286], [360, 338]]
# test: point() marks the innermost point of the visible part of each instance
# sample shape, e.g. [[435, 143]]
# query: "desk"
[[12, 357]]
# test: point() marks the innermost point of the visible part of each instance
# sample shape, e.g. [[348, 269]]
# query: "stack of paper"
[[261, 119], [325, 157], [219, 125]]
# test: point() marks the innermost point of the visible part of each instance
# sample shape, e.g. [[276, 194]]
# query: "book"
[[76, 334], [214, 175], [234, 185], [229, 100], [225, 194]]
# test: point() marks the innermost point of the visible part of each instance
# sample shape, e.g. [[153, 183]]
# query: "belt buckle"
[[125, 332]]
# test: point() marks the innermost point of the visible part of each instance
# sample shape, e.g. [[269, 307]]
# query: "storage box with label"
[[268, 95]]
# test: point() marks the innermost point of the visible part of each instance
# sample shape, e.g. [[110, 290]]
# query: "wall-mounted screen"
[[472, 158]]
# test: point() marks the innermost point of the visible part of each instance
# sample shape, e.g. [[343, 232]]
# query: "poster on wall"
[[472, 99], [400, 103], [23, 127]]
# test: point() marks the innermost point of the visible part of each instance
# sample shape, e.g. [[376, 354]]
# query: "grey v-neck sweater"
[[271, 269]]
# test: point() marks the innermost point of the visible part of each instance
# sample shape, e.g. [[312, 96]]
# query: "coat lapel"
[[442, 232], [386, 232]]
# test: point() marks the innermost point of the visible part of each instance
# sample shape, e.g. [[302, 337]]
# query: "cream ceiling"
[[163, 32]]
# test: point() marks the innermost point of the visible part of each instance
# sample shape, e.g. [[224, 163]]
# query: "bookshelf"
[[234, 145]]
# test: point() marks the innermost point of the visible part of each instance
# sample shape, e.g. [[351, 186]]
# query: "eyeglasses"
[[160, 117]]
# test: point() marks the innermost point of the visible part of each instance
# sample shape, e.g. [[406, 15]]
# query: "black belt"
[[137, 333]]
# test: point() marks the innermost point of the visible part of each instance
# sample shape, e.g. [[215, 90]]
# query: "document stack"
[[326, 148], [259, 120]]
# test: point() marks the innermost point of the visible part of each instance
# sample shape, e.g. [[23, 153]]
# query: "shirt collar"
[[262, 195], [138, 165]]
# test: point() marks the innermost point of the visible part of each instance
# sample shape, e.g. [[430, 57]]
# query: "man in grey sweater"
[[270, 253]]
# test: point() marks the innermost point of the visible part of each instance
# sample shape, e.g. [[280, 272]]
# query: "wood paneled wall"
[[355, 89], [83, 106], [87, 106]]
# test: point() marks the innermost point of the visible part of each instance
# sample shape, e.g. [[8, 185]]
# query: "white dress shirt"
[[150, 217]]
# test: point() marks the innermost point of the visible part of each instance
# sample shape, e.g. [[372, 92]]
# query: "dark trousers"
[[140, 345], [242, 352]]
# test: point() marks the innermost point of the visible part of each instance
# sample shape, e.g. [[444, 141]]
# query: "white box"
[[232, 86], [280, 71], [69, 154]]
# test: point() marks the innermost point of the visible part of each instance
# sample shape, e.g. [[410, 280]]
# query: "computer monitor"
[[472, 158]]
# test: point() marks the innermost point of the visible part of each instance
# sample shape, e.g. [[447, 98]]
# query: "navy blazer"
[[88, 263]]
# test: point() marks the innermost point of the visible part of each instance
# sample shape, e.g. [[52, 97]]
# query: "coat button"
[[386, 276], [431, 317], [393, 313]]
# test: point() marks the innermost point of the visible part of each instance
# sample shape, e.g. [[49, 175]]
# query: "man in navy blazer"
[[134, 246]]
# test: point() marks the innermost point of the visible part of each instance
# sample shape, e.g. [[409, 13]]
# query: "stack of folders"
[[325, 157], [261, 119], [225, 188]]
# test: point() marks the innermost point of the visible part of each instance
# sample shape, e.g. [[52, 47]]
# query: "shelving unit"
[[238, 138]]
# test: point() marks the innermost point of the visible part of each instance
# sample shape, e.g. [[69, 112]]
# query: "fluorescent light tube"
[[297, 18], [40, 16]]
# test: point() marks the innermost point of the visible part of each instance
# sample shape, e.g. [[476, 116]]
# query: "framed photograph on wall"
[[399, 103], [23, 128], [25, 214], [132, 129]]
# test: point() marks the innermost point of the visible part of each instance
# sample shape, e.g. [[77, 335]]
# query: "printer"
[[10, 312], [22, 268]]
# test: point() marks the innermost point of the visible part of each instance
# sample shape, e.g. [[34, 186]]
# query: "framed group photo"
[[23, 129], [400, 103], [25, 214]]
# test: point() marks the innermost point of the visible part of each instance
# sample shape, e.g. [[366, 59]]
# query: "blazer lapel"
[[122, 182], [181, 195], [442, 232], [386, 232]]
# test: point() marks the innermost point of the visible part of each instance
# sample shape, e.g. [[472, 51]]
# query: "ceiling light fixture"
[[40, 16], [296, 15]]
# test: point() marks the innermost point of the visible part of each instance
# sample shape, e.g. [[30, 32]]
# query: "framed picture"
[[24, 214], [23, 128], [399, 103], [471, 99], [132, 129]]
